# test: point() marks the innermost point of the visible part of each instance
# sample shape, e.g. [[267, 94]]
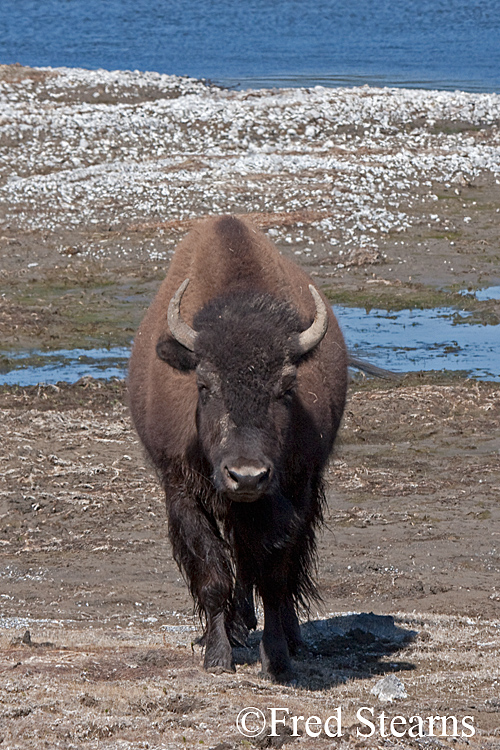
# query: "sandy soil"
[[386, 197]]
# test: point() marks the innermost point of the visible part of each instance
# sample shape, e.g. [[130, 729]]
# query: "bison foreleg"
[[274, 652], [203, 556], [242, 618], [281, 638], [291, 626]]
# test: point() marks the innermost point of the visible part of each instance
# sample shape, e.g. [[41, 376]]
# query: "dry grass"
[[261, 219], [85, 567]]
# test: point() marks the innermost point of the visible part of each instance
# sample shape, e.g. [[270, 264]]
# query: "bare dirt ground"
[[412, 531], [387, 198]]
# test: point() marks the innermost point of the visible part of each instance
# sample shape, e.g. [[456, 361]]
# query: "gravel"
[[119, 149]]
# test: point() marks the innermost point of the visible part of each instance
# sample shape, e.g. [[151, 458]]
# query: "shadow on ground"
[[342, 648]]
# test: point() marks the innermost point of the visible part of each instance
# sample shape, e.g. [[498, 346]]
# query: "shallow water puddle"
[[492, 292], [415, 340], [33, 367], [404, 341]]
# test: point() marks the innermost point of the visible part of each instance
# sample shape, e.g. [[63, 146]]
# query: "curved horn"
[[180, 330], [311, 337]]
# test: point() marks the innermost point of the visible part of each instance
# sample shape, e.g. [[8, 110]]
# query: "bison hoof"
[[286, 677], [277, 668], [218, 663]]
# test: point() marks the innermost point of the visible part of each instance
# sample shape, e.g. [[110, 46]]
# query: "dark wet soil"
[[65, 302]]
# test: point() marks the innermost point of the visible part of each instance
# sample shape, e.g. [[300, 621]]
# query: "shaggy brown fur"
[[243, 392]]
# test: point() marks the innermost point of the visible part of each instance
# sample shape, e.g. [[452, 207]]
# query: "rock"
[[389, 688], [26, 639]]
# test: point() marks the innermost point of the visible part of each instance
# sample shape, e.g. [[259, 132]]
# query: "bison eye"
[[204, 390], [207, 382]]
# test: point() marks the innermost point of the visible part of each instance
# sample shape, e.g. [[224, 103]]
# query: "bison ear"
[[169, 350]]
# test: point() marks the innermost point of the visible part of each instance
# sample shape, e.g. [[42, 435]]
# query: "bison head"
[[245, 348]]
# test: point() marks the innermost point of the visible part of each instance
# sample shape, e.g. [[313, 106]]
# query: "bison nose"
[[247, 479]]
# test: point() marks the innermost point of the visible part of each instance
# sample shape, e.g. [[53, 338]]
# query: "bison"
[[237, 385]]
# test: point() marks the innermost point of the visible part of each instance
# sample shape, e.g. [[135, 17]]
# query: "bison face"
[[244, 350], [243, 419]]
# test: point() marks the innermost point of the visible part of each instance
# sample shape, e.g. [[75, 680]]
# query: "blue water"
[[405, 341], [443, 44], [491, 292], [420, 340], [33, 367]]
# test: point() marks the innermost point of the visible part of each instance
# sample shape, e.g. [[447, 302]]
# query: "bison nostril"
[[248, 477]]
